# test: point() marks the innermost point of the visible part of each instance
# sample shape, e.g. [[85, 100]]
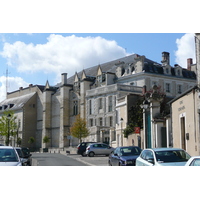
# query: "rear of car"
[[27, 155], [81, 148], [9, 156]]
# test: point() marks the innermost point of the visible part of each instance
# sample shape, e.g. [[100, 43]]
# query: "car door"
[[144, 158], [115, 157], [105, 149]]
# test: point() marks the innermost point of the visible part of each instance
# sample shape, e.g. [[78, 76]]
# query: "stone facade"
[[100, 94]]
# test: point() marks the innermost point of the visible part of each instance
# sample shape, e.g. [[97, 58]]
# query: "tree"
[[79, 128], [46, 139], [8, 125], [31, 140]]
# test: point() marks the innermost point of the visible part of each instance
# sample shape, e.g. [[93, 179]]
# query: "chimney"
[[64, 78], [30, 85], [165, 58], [189, 63], [21, 88]]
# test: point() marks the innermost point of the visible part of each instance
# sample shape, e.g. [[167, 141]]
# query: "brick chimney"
[[189, 63], [165, 58]]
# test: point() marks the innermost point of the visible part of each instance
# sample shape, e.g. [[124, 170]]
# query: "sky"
[[34, 58]]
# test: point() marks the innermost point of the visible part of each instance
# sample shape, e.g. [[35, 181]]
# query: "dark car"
[[124, 156], [21, 155], [81, 148], [27, 155]]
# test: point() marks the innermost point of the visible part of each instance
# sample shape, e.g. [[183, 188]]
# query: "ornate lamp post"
[[8, 136]]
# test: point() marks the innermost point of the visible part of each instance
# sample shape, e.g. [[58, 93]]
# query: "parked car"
[[99, 149], [1, 145], [193, 161], [124, 156], [22, 156], [81, 148], [9, 156], [162, 157], [27, 155]]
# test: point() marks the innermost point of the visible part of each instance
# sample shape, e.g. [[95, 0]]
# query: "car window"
[[149, 155], [104, 145], [8, 155], [195, 162], [172, 156]]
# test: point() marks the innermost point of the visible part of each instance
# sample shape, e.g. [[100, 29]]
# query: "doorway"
[[183, 145]]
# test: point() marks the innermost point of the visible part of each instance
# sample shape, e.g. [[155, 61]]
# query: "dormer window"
[[123, 72], [167, 70]]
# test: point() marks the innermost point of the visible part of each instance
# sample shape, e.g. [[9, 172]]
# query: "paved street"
[[56, 159]]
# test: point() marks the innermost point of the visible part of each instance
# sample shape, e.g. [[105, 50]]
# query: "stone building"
[[101, 94]]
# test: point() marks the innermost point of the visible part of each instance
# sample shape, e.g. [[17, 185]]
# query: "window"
[[123, 71], [90, 107], [111, 121], [179, 89], [110, 104], [75, 108], [167, 87], [100, 103], [167, 71], [91, 122], [100, 121]]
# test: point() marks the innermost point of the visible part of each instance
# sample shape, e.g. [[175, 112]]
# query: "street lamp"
[[8, 139], [145, 106], [121, 120]]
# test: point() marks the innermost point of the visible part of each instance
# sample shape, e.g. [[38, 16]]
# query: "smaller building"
[[185, 121]]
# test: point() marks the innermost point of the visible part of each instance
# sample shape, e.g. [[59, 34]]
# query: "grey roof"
[[17, 102]]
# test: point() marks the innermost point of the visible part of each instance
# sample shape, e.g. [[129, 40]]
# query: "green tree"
[[31, 140], [79, 128], [135, 115], [8, 125], [46, 139]]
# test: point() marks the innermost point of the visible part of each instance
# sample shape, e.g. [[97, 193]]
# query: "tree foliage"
[[46, 139], [8, 125], [79, 129], [135, 115]]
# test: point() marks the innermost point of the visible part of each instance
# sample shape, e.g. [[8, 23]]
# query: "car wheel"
[[84, 154], [91, 154], [120, 164]]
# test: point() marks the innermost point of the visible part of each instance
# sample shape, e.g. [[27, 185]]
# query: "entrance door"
[[183, 133]]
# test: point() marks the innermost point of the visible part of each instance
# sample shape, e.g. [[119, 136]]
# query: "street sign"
[[137, 130]]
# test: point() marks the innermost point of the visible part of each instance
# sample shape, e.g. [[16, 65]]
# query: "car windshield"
[[172, 156], [8, 155], [130, 151]]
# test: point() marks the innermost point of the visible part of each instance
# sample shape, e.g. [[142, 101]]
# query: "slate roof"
[[149, 67], [18, 102]]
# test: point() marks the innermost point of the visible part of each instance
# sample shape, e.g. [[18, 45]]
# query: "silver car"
[[162, 157], [9, 156], [99, 149]]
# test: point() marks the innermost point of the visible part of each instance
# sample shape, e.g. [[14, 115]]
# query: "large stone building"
[[101, 94]]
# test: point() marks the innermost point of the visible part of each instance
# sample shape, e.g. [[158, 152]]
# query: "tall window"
[[109, 103], [111, 121], [90, 107], [100, 121], [167, 87], [75, 108], [100, 103], [179, 89]]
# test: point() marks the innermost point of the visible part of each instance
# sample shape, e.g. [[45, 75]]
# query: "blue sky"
[[38, 57]]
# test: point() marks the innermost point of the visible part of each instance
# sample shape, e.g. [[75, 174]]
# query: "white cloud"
[[61, 54], [13, 84], [186, 49]]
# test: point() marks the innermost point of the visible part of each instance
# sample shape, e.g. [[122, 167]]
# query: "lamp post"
[[121, 120], [145, 106]]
